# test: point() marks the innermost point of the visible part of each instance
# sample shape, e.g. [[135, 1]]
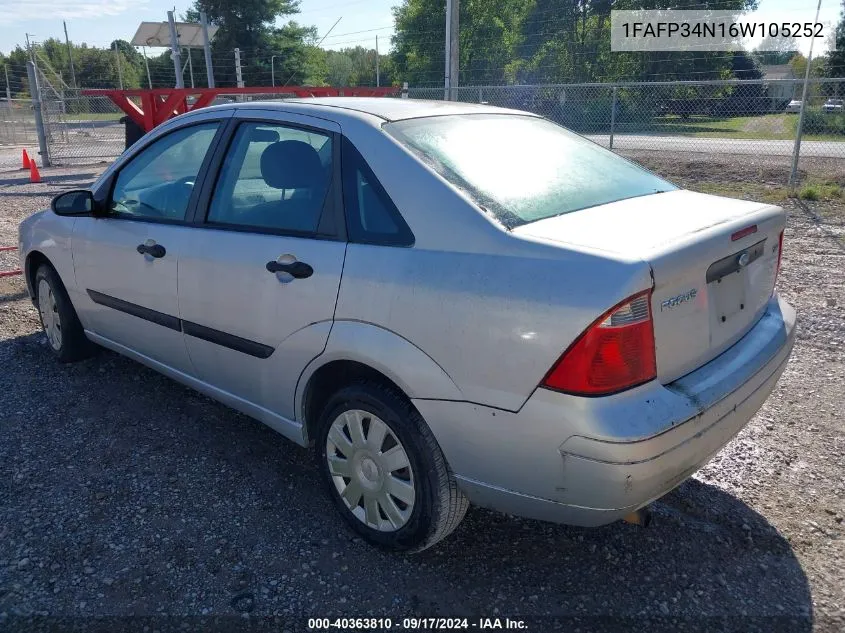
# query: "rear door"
[[126, 263], [259, 277]]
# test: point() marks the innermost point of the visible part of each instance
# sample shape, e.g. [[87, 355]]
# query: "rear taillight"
[[615, 353], [780, 256]]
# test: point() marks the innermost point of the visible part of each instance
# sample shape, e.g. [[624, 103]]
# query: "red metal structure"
[[157, 106]]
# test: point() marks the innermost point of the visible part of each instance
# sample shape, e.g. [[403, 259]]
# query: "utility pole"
[[450, 92], [190, 65], [32, 73], [119, 69], [174, 51], [8, 87], [29, 47], [798, 131], [147, 64], [378, 79], [238, 74], [273, 70], [206, 44], [70, 57]]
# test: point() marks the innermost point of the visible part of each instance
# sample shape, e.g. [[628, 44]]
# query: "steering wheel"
[[177, 188], [137, 207], [186, 181]]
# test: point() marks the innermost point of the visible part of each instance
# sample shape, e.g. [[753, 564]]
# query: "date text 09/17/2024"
[[416, 624]]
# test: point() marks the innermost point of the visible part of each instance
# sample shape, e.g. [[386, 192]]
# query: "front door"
[[126, 263], [259, 277]]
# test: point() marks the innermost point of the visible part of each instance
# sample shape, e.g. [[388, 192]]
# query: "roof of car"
[[386, 108]]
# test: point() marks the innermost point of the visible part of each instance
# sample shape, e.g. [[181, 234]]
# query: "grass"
[[744, 190], [812, 190], [820, 191], [762, 127]]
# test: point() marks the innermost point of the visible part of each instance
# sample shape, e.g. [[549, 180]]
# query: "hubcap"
[[371, 470], [49, 314]]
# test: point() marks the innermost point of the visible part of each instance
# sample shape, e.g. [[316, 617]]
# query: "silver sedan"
[[451, 303]]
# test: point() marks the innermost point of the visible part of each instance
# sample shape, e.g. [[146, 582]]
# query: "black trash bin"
[[133, 131]]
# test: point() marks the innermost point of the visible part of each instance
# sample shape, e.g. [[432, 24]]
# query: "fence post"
[[175, 53], [612, 116], [36, 110], [405, 90], [206, 45], [796, 150], [793, 174]]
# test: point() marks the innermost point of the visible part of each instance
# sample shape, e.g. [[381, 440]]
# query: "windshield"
[[523, 169]]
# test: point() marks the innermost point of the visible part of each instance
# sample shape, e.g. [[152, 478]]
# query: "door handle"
[[299, 270], [153, 250]]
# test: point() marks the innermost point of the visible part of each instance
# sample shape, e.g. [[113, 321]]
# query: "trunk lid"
[[713, 261]]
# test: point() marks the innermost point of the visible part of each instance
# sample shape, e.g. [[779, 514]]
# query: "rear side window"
[[371, 216], [274, 177], [521, 168]]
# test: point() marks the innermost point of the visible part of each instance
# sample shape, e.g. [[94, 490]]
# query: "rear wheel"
[[384, 470], [61, 325]]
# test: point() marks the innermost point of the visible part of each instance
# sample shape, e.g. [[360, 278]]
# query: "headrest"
[[291, 165]]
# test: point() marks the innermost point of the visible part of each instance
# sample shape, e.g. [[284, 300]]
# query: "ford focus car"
[[450, 303]]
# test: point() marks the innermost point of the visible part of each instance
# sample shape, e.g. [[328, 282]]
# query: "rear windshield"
[[523, 169]]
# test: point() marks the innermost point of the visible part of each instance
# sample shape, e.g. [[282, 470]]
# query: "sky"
[[99, 22]]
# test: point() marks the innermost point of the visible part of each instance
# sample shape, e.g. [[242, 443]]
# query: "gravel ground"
[[123, 493], [10, 157]]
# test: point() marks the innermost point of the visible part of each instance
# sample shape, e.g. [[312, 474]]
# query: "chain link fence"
[[734, 117], [17, 123], [720, 118], [81, 129]]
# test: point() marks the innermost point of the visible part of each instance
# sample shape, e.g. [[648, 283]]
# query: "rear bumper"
[[590, 461]]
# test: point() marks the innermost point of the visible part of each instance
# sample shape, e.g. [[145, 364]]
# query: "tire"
[[436, 503], [65, 336]]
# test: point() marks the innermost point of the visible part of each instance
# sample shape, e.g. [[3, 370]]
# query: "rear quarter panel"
[[495, 322]]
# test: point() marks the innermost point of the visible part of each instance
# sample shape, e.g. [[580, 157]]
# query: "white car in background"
[[451, 303], [794, 106], [833, 105]]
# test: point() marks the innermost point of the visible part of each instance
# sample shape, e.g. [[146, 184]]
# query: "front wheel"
[[62, 328], [384, 469]]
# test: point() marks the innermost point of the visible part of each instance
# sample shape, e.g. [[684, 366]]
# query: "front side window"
[[157, 183], [522, 168], [274, 177]]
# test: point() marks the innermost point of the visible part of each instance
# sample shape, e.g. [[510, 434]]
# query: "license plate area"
[[728, 297]]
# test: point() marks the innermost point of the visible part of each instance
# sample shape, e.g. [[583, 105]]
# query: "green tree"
[[250, 25], [489, 36], [357, 67], [541, 41], [339, 68]]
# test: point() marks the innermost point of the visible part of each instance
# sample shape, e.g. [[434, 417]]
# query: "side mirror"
[[76, 202]]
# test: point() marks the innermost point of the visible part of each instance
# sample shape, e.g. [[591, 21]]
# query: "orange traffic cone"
[[25, 159], [34, 176]]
